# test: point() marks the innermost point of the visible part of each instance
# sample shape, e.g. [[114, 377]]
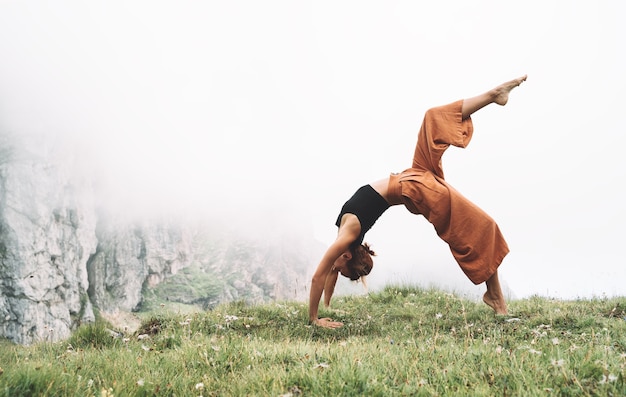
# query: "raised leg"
[[494, 297], [499, 95]]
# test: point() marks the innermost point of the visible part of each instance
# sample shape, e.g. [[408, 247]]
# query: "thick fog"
[[276, 112]]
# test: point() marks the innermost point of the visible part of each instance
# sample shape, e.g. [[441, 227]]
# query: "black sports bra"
[[367, 205]]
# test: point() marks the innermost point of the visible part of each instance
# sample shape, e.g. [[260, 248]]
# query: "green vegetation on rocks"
[[397, 342], [191, 287]]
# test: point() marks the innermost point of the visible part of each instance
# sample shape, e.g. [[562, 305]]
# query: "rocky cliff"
[[63, 258], [47, 234]]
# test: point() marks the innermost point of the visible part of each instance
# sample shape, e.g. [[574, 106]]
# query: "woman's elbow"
[[318, 279]]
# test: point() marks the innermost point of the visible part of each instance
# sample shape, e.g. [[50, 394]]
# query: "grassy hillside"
[[400, 341]]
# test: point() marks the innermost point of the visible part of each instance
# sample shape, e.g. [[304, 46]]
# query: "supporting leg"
[[494, 297], [499, 95]]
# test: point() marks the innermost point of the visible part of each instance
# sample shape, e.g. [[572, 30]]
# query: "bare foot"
[[501, 92], [498, 304]]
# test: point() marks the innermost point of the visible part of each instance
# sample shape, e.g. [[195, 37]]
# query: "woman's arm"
[[323, 276], [329, 286], [318, 282]]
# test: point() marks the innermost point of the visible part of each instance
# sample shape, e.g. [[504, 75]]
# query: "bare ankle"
[[497, 303]]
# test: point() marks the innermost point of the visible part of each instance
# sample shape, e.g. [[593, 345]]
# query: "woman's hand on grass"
[[327, 323]]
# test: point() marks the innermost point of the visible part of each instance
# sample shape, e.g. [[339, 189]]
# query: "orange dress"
[[473, 236]]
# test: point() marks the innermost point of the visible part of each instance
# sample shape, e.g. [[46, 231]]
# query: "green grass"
[[190, 288], [397, 342]]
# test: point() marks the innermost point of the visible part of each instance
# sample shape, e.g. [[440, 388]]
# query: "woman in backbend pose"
[[473, 237]]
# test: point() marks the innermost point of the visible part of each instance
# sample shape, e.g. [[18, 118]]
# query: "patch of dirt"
[[124, 322], [152, 327]]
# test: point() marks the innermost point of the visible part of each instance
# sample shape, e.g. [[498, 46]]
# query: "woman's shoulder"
[[350, 228], [349, 225]]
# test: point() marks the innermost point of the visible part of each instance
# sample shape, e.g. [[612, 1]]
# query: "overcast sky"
[[288, 107]]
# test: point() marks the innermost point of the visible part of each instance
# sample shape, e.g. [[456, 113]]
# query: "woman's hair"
[[361, 263]]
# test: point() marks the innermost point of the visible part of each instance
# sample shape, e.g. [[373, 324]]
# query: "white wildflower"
[[612, 378], [555, 341], [533, 351], [140, 382], [558, 363], [438, 315], [538, 334], [499, 349], [106, 392], [90, 383], [200, 386], [143, 336], [146, 348], [321, 366]]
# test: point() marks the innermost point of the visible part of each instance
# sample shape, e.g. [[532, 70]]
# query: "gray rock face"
[[62, 257], [132, 257], [47, 233]]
